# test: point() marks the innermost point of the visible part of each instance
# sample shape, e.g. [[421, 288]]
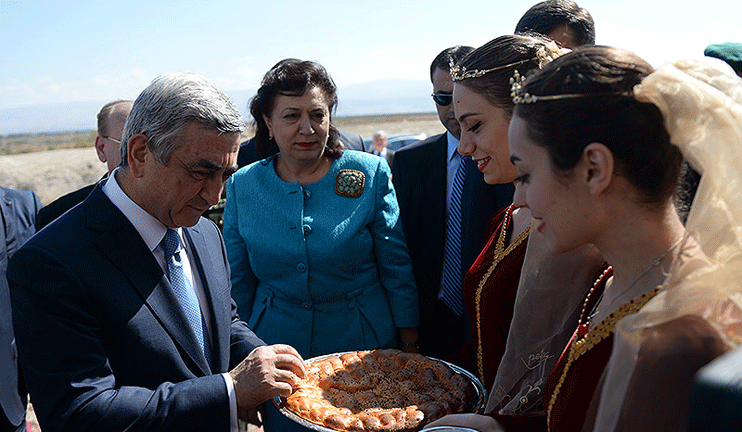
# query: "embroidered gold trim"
[[593, 337], [349, 183], [500, 253]]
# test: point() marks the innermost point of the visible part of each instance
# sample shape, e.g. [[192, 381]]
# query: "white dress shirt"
[[381, 154]]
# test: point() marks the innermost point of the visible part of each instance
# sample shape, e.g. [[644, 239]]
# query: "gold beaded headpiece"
[[520, 97], [544, 54], [459, 73]]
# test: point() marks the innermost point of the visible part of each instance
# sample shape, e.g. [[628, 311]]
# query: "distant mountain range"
[[379, 97]]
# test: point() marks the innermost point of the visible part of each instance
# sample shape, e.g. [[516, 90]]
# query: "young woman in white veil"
[[598, 139]]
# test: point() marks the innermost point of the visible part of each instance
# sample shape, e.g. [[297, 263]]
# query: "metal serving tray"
[[481, 398]]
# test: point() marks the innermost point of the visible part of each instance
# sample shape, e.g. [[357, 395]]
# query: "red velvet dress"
[[489, 289], [575, 380]]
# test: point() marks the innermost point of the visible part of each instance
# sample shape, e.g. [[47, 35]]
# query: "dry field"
[[54, 164]]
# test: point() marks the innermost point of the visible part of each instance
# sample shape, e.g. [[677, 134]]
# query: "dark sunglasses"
[[442, 99]]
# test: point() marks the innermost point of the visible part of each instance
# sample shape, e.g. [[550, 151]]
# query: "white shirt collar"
[[151, 229]]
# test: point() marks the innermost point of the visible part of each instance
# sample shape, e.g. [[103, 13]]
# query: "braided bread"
[[380, 390]]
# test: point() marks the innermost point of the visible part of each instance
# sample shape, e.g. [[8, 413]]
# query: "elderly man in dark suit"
[[441, 251], [122, 306], [380, 148], [18, 211]]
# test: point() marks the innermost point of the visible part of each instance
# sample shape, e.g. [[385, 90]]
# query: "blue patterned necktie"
[[452, 291], [183, 288]]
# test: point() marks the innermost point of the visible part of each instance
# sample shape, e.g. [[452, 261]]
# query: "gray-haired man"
[[122, 306]]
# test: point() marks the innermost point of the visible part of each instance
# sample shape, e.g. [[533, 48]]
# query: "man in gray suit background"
[[18, 211]]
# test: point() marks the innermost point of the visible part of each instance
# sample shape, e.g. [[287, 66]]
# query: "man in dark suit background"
[[423, 176], [380, 148], [122, 307], [111, 120], [564, 21], [17, 219]]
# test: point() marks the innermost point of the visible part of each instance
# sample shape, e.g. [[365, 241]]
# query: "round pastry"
[[380, 390]]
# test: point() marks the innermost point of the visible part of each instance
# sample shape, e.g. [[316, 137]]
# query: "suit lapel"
[[473, 178], [205, 262], [9, 220], [3, 234], [113, 233], [480, 201], [439, 174]]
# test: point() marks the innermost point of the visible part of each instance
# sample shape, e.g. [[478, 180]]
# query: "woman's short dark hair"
[[503, 51], [633, 131], [292, 77]]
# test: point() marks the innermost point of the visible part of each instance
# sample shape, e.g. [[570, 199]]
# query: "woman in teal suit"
[[313, 235]]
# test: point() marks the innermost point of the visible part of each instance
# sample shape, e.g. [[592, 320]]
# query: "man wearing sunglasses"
[[111, 120], [423, 176]]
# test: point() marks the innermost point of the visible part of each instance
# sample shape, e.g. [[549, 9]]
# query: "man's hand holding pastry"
[[267, 372]]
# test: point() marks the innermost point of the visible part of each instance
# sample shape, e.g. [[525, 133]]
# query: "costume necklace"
[[652, 265]]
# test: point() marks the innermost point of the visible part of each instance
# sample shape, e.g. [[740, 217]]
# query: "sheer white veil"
[[550, 295], [701, 102]]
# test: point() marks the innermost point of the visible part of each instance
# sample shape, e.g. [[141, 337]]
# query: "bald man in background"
[[111, 121]]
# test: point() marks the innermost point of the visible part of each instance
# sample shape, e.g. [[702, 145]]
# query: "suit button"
[[301, 267], [306, 306], [307, 229]]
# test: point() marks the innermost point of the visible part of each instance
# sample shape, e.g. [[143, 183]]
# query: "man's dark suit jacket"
[[103, 341], [248, 154], [57, 207], [419, 177], [17, 216]]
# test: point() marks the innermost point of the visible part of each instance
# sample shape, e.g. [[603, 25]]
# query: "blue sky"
[[57, 51]]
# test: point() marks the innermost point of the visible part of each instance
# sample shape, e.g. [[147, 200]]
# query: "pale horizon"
[[90, 51]]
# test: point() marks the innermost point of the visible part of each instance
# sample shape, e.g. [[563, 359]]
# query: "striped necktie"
[[452, 276], [184, 290]]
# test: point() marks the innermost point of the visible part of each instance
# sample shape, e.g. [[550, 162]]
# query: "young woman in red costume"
[[483, 107], [598, 139]]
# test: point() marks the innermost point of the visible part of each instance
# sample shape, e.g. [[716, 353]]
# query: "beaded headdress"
[[521, 97], [459, 73], [543, 55]]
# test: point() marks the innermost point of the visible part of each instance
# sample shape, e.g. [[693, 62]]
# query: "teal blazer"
[[323, 267]]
